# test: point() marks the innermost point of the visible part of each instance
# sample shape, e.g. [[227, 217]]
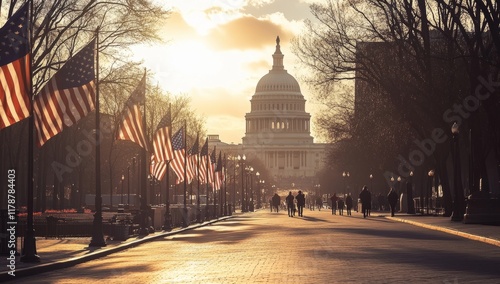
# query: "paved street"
[[264, 247]]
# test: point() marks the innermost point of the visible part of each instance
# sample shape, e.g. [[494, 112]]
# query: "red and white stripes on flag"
[[131, 124], [193, 159], [211, 168], [218, 174], [158, 169], [67, 97], [15, 83], [179, 159], [162, 144], [203, 162]]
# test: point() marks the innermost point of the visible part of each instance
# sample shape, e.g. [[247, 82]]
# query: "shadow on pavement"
[[390, 233]]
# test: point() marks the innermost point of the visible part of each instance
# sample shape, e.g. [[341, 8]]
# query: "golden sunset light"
[[216, 51]]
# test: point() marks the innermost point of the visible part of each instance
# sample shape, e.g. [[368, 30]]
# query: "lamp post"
[[431, 176], [121, 195], [263, 192], [257, 174], [241, 159], [399, 185], [250, 173], [233, 209], [371, 182], [458, 202], [399, 195], [409, 194]]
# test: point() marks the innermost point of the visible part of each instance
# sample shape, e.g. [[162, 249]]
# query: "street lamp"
[[459, 202], [263, 192], [371, 182], [345, 175], [250, 172], [241, 159], [121, 195], [257, 174], [431, 176], [409, 194]]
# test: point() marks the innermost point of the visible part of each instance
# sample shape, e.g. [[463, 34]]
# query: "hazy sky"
[[216, 52]]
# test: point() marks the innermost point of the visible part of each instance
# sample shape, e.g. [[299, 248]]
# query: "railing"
[[429, 206]]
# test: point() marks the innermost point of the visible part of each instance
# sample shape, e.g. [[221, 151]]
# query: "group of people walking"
[[298, 202], [338, 203], [293, 203]]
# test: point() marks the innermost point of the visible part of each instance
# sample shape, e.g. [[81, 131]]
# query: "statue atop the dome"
[[278, 40]]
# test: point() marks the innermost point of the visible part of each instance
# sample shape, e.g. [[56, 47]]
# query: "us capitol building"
[[278, 130]]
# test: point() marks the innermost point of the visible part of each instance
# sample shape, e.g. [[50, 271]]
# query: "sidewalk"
[[61, 253], [67, 252], [489, 234]]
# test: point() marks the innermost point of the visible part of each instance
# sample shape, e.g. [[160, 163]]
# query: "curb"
[[65, 263], [450, 231]]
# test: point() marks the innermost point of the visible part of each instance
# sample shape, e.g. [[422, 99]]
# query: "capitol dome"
[[277, 109], [277, 80]]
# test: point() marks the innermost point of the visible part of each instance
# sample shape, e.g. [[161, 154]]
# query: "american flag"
[[162, 144], [131, 124], [158, 169], [211, 168], [15, 83], [203, 162], [219, 176], [178, 162], [67, 97], [193, 158]]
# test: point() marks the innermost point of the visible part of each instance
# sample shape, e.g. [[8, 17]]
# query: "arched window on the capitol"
[[282, 125], [272, 124]]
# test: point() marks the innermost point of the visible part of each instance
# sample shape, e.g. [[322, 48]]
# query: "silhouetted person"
[[276, 201], [366, 201], [319, 202], [289, 204], [334, 200], [301, 202], [392, 197], [348, 204], [341, 204]]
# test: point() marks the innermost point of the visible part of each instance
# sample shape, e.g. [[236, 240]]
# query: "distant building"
[[278, 130]]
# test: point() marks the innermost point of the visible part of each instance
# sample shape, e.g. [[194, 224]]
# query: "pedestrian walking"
[[340, 205], [334, 200], [366, 201], [319, 202], [276, 202], [392, 197], [348, 204], [301, 202], [289, 203]]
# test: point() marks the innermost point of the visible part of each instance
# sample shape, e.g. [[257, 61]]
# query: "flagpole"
[[167, 226], [97, 233], [207, 211], [185, 221], [225, 184], [213, 185], [29, 252], [144, 230], [198, 208]]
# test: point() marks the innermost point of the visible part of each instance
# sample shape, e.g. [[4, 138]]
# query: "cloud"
[[176, 28], [246, 33]]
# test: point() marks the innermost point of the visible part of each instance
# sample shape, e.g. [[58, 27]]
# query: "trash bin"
[[120, 232]]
